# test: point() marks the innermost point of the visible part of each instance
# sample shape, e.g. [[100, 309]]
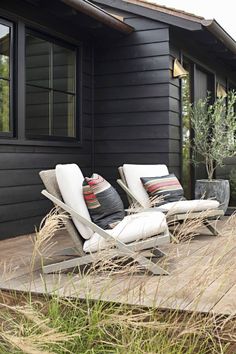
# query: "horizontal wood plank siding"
[[174, 117], [21, 204], [134, 65], [132, 98], [132, 79]]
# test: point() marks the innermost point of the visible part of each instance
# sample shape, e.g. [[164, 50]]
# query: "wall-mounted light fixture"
[[220, 91], [178, 70]]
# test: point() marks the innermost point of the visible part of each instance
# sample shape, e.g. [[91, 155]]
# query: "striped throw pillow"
[[103, 202], [166, 188]]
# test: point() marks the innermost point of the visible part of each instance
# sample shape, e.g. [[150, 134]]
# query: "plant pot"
[[218, 189]]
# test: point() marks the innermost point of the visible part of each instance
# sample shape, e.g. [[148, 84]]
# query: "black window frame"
[[12, 63], [77, 94]]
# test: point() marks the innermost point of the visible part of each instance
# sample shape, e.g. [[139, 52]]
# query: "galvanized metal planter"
[[218, 189]]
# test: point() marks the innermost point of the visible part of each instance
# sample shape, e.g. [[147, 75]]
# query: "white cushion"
[[134, 172], [188, 206], [131, 228], [70, 180]]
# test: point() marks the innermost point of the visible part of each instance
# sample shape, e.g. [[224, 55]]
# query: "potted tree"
[[214, 139]]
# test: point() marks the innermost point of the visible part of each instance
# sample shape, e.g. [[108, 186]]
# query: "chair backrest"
[[121, 173], [70, 181], [49, 180], [133, 173]]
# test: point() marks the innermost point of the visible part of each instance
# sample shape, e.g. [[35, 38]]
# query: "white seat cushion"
[[133, 173], [131, 228], [70, 180], [188, 206]]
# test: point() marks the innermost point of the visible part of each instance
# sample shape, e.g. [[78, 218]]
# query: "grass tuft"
[[76, 326]]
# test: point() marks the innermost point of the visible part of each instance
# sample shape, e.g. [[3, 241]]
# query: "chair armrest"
[[142, 210]]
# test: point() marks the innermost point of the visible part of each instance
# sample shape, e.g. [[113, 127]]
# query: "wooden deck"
[[202, 275]]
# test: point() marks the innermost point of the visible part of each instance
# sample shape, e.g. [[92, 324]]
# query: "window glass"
[[186, 132], [5, 125], [37, 111], [37, 61], [63, 111], [63, 69], [50, 89]]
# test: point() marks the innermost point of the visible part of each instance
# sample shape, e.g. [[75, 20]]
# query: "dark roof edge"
[[152, 14], [99, 14], [210, 25], [215, 28]]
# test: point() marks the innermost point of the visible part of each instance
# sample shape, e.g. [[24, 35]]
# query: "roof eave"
[[99, 14], [176, 21], [152, 14], [214, 27]]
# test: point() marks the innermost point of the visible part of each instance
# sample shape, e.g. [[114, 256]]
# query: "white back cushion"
[[70, 180], [134, 172]]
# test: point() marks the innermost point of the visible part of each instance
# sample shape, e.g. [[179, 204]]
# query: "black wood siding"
[[21, 204], [133, 98], [175, 118]]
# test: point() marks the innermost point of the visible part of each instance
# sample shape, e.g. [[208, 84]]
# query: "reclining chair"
[[133, 235], [131, 183]]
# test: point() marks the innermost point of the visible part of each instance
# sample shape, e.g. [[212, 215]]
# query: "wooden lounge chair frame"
[[132, 250], [175, 218]]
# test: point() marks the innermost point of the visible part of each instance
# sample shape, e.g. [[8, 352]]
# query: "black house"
[[93, 83]]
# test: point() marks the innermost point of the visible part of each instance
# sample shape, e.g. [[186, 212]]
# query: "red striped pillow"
[[103, 202], [167, 188]]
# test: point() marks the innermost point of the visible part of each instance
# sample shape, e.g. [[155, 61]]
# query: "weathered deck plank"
[[227, 305], [178, 289], [202, 276]]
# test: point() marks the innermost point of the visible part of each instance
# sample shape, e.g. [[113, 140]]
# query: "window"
[[50, 88], [5, 78]]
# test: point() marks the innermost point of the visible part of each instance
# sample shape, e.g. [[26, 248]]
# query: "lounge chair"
[[131, 183], [133, 235]]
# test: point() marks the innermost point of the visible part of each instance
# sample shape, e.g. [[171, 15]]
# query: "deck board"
[[202, 275], [183, 285], [227, 304]]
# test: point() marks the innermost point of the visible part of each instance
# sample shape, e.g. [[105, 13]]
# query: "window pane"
[[50, 94], [63, 115], [37, 61], [4, 106], [186, 133], [63, 69], [37, 111], [4, 51]]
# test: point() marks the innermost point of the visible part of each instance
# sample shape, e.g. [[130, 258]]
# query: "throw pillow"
[[167, 188], [103, 202]]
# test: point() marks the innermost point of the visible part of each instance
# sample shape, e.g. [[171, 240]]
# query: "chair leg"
[[70, 263], [157, 252], [150, 266], [172, 237], [211, 228], [68, 252]]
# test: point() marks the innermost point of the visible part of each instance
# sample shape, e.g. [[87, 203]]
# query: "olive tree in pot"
[[214, 128]]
